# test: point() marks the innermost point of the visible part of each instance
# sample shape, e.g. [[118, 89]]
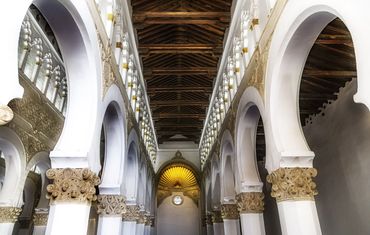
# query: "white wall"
[[341, 142], [168, 150], [178, 220]]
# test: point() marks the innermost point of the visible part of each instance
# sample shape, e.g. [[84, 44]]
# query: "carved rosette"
[[9, 214], [216, 217], [229, 211], [209, 219], [40, 219], [72, 185], [111, 205], [294, 184], [132, 213], [6, 114], [250, 202]]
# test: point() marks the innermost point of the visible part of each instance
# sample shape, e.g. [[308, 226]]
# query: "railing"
[[116, 18], [248, 21], [40, 63]]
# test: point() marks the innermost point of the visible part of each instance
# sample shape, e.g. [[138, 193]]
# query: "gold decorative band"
[[255, 21], [111, 17], [72, 185], [229, 211], [111, 205], [40, 219], [237, 70], [125, 65], [250, 202], [9, 214], [245, 49], [294, 184]]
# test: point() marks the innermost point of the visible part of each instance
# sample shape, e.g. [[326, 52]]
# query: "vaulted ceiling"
[[180, 44]]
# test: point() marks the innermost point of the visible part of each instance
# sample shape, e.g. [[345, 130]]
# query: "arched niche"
[[113, 150], [131, 172]]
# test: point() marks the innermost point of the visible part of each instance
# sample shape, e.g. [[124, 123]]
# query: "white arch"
[[215, 184], [15, 163], [131, 172], [298, 27], [115, 143], [74, 29], [227, 167]]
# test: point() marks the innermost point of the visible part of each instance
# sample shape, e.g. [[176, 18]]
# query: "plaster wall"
[[180, 220], [341, 142], [167, 151]]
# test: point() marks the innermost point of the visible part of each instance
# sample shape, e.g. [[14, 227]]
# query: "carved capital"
[[152, 221], [294, 184], [216, 217], [132, 213], [111, 205], [250, 202], [142, 217], [6, 114], [209, 219], [229, 211], [40, 218], [72, 185], [147, 220], [9, 214]]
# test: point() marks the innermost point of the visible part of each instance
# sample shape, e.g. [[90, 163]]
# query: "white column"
[[294, 191], [251, 212], [252, 223], [68, 218], [209, 229], [218, 229], [232, 226], [110, 210], [71, 194], [230, 216], [140, 229], [8, 216], [39, 230], [129, 228], [147, 229]]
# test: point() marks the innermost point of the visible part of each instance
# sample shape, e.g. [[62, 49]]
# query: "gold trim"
[[250, 202], [111, 17], [119, 45], [9, 214], [125, 65], [293, 184], [72, 185], [245, 50], [229, 211], [255, 22]]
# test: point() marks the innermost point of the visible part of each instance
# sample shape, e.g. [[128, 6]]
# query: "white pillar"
[[232, 226], [209, 229], [8, 216], [251, 212], [299, 217], [110, 210], [71, 194], [218, 229], [6, 228], [129, 228], [68, 218], [147, 229], [140, 229], [294, 191], [252, 223]]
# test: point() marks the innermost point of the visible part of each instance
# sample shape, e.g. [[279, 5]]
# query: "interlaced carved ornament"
[[40, 219], [216, 217], [294, 184], [111, 205], [209, 219], [9, 214], [250, 202], [76, 185], [132, 213], [229, 211]]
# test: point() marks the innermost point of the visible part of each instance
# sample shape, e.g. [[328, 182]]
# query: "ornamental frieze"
[[132, 213], [250, 202], [72, 185], [9, 214], [40, 219], [216, 217], [229, 211], [294, 184], [111, 205]]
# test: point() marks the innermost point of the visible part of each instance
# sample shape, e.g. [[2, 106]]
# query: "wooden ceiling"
[[330, 64], [180, 44]]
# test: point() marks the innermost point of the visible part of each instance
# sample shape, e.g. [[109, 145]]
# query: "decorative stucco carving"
[[111, 205], [40, 218], [77, 185], [152, 221], [209, 219], [108, 75], [6, 114], [229, 211], [250, 202], [9, 214], [294, 184], [142, 217], [216, 217], [132, 213]]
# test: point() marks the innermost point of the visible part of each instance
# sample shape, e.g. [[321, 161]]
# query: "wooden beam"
[[162, 133], [178, 22], [190, 46], [179, 115], [180, 71], [178, 103], [178, 89], [152, 14], [329, 73], [162, 124]]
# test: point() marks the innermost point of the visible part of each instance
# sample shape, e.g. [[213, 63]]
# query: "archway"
[[178, 195]]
